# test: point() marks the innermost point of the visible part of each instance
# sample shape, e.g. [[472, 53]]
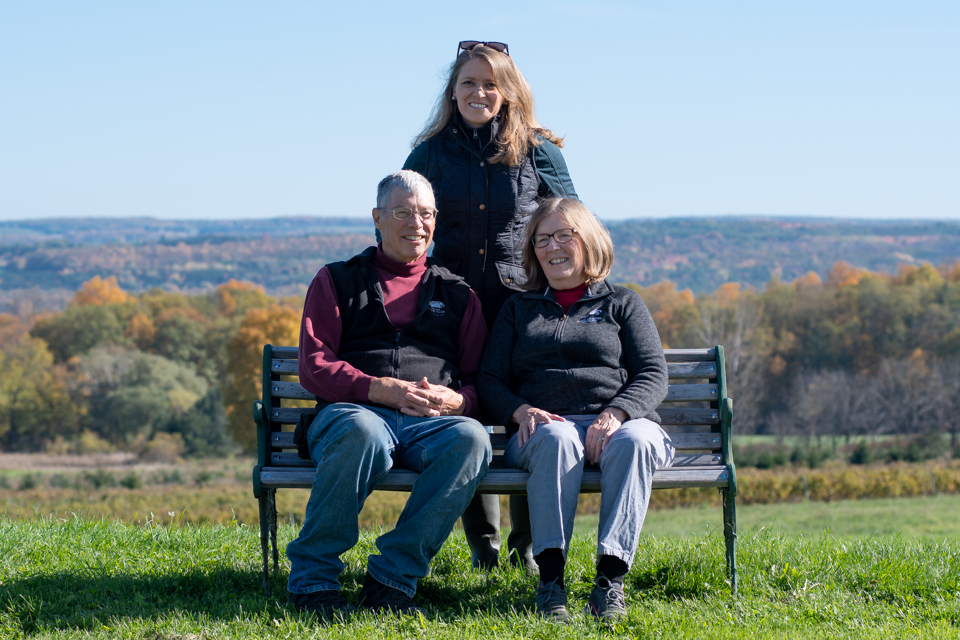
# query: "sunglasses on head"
[[469, 45]]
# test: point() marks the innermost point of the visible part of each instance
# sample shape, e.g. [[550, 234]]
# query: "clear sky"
[[219, 110]]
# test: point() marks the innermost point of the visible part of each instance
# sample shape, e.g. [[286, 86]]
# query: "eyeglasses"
[[470, 45], [562, 236], [404, 213]]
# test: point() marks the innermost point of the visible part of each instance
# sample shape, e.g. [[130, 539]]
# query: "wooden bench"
[[696, 413]]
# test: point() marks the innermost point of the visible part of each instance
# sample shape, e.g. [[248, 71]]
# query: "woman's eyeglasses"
[[403, 213], [469, 45], [562, 236]]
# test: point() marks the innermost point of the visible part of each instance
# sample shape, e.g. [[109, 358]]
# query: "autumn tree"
[[34, 405], [98, 291], [276, 324]]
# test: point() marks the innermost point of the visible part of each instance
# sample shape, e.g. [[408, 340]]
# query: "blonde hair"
[[593, 236], [519, 129]]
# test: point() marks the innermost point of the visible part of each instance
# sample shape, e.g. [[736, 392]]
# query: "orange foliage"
[[809, 281], [226, 299], [663, 300], [951, 272], [187, 312], [844, 274], [96, 291], [141, 328], [12, 328], [278, 325], [728, 292]]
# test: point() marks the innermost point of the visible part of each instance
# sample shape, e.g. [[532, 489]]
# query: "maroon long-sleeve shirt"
[[327, 376]]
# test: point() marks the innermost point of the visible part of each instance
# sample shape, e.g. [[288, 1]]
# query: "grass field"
[[934, 517], [74, 578]]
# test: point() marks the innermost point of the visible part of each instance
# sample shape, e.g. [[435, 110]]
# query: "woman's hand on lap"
[[599, 433], [528, 418]]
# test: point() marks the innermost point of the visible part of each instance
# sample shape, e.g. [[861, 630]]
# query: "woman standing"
[[490, 162], [576, 367]]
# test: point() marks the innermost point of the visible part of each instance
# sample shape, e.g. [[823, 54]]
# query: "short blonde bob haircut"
[[519, 129], [593, 236]]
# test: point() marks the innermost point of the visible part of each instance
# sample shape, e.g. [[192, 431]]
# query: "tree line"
[[163, 374], [856, 353]]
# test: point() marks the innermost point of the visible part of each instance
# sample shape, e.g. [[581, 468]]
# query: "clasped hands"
[[598, 433], [416, 398]]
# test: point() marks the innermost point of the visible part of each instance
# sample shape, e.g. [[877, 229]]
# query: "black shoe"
[[381, 598], [326, 604], [606, 601], [552, 602]]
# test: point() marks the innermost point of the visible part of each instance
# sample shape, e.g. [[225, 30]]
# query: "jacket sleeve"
[[417, 160], [643, 358], [322, 373], [473, 337], [555, 179], [494, 382]]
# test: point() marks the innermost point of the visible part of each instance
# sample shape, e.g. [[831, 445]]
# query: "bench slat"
[[290, 459], [691, 393], [505, 481], [682, 441], [668, 416], [676, 371], [676, 392], [672, 355]]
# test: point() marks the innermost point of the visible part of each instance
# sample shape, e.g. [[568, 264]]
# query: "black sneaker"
[[326, 604], [606, 601], [552, 602], [381, 598]]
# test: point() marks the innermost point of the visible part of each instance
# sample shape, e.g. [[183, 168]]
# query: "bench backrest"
[[696, 412]]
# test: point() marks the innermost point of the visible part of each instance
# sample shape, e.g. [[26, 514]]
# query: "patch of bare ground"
[[117, 461]]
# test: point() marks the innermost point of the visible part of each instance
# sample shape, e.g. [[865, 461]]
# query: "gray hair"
[[410, 181]]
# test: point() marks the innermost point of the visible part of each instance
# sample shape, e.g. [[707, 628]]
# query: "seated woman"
[[575, 367]]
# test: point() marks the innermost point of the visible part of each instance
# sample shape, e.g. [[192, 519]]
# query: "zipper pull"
[[474, 134]]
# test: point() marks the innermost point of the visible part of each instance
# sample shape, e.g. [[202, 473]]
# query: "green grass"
[[74, 578], [936, 517]]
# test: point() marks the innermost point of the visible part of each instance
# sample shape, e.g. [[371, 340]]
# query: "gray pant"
[[555, 458]]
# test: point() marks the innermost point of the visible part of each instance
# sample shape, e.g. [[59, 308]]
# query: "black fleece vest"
[[427, 347], [484, 208]]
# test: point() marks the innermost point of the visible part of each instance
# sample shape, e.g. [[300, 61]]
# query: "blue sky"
[[255, 110]]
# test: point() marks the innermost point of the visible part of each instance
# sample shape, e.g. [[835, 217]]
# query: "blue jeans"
[[353, 447], [555, 458]]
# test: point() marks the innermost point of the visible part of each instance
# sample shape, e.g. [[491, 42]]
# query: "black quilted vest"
[[484, 209], [427, 347]]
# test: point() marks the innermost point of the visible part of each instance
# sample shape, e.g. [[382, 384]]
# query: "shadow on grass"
[[77, 600], [85, 601]]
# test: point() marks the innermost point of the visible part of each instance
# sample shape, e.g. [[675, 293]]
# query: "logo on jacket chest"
[[437, 308], [594, 316]]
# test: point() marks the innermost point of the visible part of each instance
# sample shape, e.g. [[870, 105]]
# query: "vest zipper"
[[396, 357], [573, 382]]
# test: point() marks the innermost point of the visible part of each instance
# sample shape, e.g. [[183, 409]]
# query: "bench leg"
[[265, 541], [272, 518], [730, 536]]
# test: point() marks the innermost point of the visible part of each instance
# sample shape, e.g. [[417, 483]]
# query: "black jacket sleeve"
[[494, 381]]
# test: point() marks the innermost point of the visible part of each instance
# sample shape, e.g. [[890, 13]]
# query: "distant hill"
[[43, 262]]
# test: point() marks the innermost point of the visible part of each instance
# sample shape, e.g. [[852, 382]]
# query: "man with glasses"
[[390, 343]]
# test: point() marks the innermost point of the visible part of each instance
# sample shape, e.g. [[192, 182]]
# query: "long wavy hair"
[[519, 128]]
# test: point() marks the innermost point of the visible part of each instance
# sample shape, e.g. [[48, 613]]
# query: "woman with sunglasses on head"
[[490, 162], [575, 366]]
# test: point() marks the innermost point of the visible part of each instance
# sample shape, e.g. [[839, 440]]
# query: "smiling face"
[[406, 240], [477, 95], [562, 264]]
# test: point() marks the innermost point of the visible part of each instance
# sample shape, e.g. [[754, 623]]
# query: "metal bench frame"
[[704, 450]]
